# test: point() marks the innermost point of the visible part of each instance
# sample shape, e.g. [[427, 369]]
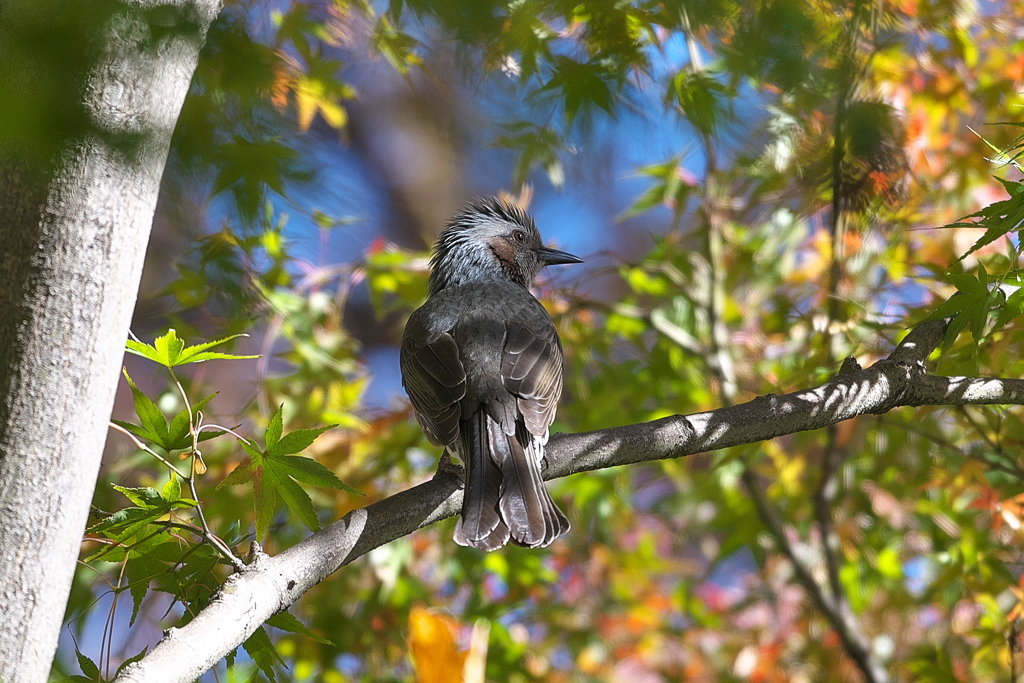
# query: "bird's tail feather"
[[480, 525], [526, 506], [505, 494]]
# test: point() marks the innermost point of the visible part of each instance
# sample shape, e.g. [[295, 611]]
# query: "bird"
[[481, 361]]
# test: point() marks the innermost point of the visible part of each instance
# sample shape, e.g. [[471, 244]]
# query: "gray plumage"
[[482, 364]]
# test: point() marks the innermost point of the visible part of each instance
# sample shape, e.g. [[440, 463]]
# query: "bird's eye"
[[519, 236]]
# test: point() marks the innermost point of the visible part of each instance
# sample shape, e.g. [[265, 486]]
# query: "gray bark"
[[92, 92]]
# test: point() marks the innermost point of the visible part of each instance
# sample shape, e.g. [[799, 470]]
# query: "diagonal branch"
[[271, 584], [834, 607]]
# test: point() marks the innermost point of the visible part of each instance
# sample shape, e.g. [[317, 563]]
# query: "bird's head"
[[489, 239]]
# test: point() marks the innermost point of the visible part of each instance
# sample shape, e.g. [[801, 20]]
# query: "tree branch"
[[835, 608], [824, 497], [270, 584]]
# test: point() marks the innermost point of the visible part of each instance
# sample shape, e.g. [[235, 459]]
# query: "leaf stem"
[[143, 447], [208, 535]]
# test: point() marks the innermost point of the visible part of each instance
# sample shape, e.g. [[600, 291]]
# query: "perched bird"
[[482, 364]]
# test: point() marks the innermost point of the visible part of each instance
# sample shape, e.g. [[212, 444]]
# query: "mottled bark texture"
[[91, 93]]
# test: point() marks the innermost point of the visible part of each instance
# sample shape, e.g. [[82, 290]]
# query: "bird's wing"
[[435, 379], [531, 369]]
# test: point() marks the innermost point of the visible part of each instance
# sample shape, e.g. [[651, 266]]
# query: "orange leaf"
[[279, 90], [435, 655]]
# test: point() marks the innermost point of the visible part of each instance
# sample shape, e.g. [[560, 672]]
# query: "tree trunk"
[[91, 93]]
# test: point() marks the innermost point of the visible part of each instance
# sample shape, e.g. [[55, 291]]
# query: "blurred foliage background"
[[759, 190]]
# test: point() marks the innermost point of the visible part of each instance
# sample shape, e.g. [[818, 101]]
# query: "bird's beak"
[[552, 257]]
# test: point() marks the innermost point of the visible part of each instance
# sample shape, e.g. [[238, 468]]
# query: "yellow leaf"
[[311, 96], [889, 563], [306, 105], [435, 657], [334, 114]]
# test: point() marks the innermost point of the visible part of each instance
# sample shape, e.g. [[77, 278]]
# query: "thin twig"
[[722, 360], [208, 535], [833, 456], [837, 612], [824, 498], [214, 540], [107, 641], [952, 448], [1012, 645], [994, 445], [143, 447], [99, 575], [228, 430]]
